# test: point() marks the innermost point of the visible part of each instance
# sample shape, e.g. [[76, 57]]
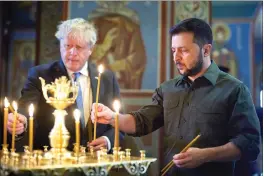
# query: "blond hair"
[[77, 28]]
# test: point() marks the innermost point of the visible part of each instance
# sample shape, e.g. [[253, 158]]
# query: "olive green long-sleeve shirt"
[[216, 105]]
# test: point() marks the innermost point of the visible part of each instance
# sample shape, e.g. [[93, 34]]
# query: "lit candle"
[[100, 69], [77, 115], [11, 109], [31, 111], [14, 127], [6, 103], [116, 107]]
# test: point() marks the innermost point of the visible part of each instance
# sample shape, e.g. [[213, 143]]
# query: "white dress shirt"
[[85, 83]]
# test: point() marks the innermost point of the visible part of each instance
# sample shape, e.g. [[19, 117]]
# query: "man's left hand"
[[192, 158], [98, 143]]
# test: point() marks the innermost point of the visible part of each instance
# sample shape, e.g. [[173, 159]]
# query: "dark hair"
[[201, 30], [224, 69]]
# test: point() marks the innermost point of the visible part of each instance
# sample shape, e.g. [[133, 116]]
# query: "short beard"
[[197, 67]]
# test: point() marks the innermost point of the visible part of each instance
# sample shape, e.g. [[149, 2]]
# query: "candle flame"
[[6, 103], [116, 105], [101, 68], [31, 110], [77, 114], [14, 105]]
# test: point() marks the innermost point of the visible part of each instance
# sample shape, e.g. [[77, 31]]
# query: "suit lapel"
[[93, 73]]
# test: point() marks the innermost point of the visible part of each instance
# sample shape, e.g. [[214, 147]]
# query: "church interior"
[[27, 39]]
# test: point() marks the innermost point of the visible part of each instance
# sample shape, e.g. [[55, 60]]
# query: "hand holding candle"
[[116, 107], [14, 127], [77, 115], [100, 69], [171, 163], [6, 103], [31, 111]]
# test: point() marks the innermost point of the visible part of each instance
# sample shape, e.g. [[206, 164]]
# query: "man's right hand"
[[104, 114], [20, 123]]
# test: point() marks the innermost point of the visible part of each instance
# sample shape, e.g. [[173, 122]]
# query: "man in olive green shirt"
[[203, 99]]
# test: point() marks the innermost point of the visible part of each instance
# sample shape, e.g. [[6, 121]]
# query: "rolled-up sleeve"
[[244, 126], [150, 117]]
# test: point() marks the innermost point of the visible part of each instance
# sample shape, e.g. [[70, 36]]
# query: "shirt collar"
[[211, 74], [83, 71]]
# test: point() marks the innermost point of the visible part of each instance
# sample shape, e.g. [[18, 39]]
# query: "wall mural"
[[232, 48], [128, 40], [222, 54], [120, 45], [197, 9], [22, 56]]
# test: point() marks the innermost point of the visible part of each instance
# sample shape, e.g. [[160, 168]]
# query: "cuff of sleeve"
[[246, 148], [108, 143], [139, 128]]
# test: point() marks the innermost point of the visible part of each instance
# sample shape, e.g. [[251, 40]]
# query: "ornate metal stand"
[[90, 165]]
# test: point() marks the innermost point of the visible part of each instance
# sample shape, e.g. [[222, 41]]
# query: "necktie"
[[79, 99]]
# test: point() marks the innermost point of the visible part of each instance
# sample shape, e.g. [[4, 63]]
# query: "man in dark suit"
[[77, 38]]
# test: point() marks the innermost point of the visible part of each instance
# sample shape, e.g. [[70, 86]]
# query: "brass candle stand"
[[59, 161], [57, 94], [88, 163]]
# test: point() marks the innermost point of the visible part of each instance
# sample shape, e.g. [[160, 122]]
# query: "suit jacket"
[[43, 117]]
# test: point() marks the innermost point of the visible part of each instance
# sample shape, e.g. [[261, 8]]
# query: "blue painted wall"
[[251, 13], [234, 9]]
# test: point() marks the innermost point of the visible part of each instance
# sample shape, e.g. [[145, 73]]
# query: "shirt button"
[[181, 137]]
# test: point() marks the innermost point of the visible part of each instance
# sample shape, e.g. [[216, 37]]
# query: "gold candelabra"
[[60, 95], [58, 161]]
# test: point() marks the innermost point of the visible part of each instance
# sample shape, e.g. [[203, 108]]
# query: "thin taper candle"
[[31, 111], [100, 68], [14, 127], [116, 144], [116, 107], [77, 128], [6, 103], [11, 109]]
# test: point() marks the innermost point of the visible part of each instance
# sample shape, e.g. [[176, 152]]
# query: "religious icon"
[[23, 59], [222, 54], [120, 46]]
